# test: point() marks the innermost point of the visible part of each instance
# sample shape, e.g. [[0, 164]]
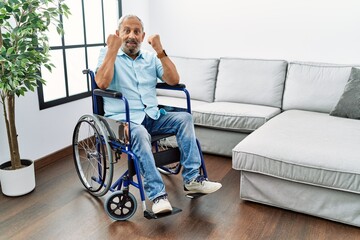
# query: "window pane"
[[93, 54], [75, 59], [73, 26], [111, 16], [93, 18], [54, 37], [55, 80]]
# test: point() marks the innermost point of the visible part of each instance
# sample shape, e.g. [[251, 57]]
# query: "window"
[[86, 31]]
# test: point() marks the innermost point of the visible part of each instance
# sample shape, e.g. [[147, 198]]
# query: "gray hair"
[[121, 20]]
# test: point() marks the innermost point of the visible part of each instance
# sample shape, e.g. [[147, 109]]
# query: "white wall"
[[141, 9], [305, 30], [309, 30], [42, 132]]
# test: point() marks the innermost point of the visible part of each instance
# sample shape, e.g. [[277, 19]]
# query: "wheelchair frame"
[[96, 145]]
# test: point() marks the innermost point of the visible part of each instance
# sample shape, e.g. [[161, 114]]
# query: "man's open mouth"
[[131, 43]]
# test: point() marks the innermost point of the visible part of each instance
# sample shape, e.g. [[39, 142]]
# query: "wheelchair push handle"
[[86, 71], [101, 92]]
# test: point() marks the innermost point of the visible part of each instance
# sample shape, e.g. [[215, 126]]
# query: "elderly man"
[[124, 67]]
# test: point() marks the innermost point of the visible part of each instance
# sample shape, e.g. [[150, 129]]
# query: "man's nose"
[[132, 34]]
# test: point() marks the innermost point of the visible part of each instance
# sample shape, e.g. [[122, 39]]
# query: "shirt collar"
[[121, 53]]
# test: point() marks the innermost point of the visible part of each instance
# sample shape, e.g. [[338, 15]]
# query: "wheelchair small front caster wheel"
[[120, 206]]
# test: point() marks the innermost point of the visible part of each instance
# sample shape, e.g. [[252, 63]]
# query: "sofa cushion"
[[349, 103], [251, 81], [307, 147], [314, 86], [233, 116], [199, 76]]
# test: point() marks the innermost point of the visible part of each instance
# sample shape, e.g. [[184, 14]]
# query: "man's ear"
[[143, 37]]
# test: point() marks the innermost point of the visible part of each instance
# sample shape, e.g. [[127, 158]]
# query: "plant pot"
[[17, 182]]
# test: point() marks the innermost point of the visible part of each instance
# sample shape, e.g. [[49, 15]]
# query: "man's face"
[[132, 36]]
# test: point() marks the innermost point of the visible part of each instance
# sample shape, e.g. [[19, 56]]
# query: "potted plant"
[[24, 48]]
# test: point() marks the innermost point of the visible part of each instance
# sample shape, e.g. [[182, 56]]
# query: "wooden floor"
[[59, 208]]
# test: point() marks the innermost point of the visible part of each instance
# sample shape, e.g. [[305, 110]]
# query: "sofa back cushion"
[[314, 86], [199, 76], [251, 81]]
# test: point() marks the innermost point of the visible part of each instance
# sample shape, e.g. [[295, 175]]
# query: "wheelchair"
[[98, 144]]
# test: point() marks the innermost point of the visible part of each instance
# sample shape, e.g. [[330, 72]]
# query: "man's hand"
[[154, 41], [105, 72], [170, 76], [114, 42]]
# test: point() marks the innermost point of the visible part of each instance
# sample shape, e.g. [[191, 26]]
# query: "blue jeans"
[[178, 123]]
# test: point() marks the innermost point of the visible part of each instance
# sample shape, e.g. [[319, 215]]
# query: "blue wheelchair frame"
[[121, 197]]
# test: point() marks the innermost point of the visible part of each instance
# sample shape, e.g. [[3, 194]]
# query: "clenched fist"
[[154, 41], [114, 42]]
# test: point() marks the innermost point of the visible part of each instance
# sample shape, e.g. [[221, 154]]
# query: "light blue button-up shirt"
[[136, 80]]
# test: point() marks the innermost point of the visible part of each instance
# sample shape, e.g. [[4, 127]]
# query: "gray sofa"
[[273, 117], [230, 97]]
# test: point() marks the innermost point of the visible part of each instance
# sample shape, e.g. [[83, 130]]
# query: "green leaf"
[[8, 8], [24, 25], [9, 51]]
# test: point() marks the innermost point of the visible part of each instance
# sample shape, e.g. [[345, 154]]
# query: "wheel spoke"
[[90, 155]]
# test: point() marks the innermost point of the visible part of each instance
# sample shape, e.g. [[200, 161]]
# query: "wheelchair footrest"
[[195, 195], [150, 215]]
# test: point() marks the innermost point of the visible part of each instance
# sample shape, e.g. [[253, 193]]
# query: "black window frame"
[[69, 98]]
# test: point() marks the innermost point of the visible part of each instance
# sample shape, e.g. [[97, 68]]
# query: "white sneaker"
[[202, 185], [161, 205]]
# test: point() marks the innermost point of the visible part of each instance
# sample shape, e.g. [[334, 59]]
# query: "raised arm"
[[105, 73], [171, 76]]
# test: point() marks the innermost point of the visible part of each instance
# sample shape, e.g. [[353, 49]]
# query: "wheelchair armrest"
[[179, 86], [107, 93]]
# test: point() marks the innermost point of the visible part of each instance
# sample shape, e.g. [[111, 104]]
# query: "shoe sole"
[[165, 210], [203, 192]]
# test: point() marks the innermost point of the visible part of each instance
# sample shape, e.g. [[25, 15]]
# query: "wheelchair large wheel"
[[120, 206], [92, 155]]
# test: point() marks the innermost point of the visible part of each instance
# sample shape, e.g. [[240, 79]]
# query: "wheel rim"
[[92, 156], [120, 206]]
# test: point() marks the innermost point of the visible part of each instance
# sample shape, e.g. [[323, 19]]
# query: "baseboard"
[[53, 157]]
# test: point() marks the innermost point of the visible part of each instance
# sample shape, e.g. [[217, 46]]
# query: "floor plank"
[[59, 208]]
